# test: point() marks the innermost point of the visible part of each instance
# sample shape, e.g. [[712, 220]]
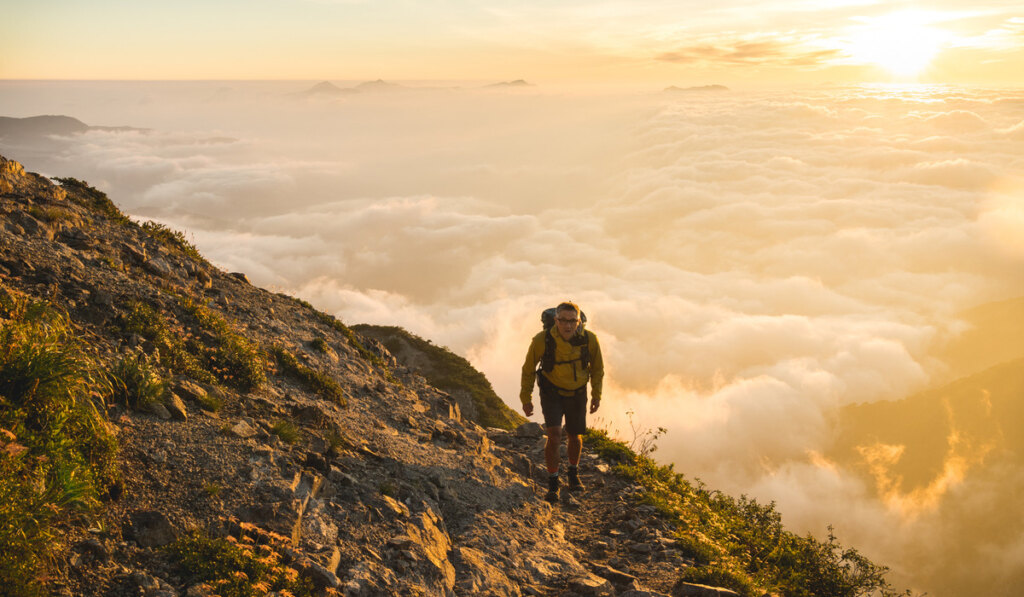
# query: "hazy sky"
[[640, 41]]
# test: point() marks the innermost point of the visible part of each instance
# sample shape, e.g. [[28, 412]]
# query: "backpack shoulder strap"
[[585, 350], [547, 361]]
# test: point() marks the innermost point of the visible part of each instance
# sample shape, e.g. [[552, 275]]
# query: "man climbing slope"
[[569, 357]]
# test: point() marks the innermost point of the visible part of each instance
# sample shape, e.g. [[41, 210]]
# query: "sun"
[[903, 43]]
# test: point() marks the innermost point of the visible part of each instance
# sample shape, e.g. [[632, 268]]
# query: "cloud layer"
[[751, 262]]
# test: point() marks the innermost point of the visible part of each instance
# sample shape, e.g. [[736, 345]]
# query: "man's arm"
[[529, 377], [596, 373]]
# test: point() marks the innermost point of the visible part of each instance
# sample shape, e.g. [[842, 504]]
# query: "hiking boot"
[[552, 495], [574, 480]]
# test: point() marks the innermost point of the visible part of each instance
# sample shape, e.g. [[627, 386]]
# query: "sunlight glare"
[[903, 43]]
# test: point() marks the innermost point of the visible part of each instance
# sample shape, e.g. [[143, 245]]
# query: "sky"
[[752, 259], [635, 42]]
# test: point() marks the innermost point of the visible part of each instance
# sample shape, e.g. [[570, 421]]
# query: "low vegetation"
[[315, 381], [203, 346], [81, 193], [172, 239], [170, 340], [49, 214], [287, 431], [740, 544], [224, 352], [451, 373], [233, 568], [136, 383], [56, 452]]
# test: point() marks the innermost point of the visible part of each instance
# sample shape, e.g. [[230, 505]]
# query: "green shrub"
[[315, 381], [233, 569], [286, 430], [136, 383], [609, 449], [57, 455], [320, 344], [224, 352], [700, 552], [172, 239]]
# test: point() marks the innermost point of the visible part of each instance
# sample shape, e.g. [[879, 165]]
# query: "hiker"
[[569, 357]]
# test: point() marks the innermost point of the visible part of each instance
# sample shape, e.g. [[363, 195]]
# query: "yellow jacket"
[[567, 374]]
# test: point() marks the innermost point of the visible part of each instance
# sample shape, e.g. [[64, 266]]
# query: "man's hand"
[[595, 403], [528, 408]]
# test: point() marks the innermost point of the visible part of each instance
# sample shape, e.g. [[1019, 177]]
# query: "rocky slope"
[[263, 447]]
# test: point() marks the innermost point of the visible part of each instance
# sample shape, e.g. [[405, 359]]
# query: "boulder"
[[149, 528], [176, 407], [592, 585], [190, 390], [159, 267], [243, 429], [529, 430], [158, 409]]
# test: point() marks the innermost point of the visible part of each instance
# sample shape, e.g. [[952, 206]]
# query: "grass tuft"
[[286, 430], [57, 455], [136, 383]]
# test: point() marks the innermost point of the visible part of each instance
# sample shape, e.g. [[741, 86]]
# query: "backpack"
[[581, 338]]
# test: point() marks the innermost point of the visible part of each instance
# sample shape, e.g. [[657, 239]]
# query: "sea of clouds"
[[751, 261]]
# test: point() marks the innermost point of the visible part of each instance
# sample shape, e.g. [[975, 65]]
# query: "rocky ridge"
[[352, 470]]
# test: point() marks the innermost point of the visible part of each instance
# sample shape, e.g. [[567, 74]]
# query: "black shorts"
[[554, 406]]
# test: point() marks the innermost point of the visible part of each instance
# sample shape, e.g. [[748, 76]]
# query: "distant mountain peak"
[[324, 86], [41, 125], [516, 83], [378, 85]]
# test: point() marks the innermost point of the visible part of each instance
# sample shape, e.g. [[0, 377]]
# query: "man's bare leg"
[[551, 456], [575, 449]]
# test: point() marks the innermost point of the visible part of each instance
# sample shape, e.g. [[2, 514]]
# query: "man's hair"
[[569, 306]]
